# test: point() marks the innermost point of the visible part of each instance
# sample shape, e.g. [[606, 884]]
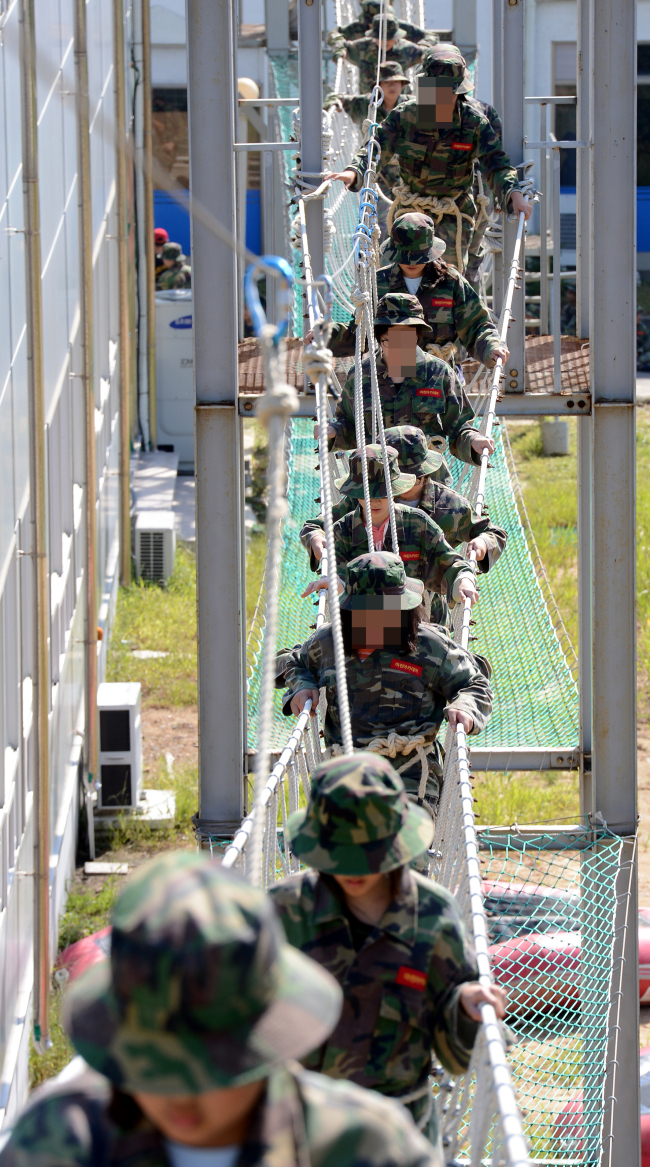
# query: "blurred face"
[[216, 1118], [436, 103], [169, 262], [391, 91], [377, 628], [378, 509], [355, 886], [412, 270], [398, 346], [389, 44]]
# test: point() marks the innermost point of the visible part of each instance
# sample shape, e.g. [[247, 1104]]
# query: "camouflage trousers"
[[476, 250], [454, 226], [424, 1112]]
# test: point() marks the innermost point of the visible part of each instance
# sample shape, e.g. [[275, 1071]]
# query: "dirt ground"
[[171, 730]]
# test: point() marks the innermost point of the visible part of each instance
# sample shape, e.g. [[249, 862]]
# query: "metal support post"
[[464, 34], [557, 276], [311, 124], [612, 360], [585, 615], [149, 255], [276, 14], [219, 505], [583, 233], [123, 291], [84, 188], [38, 521], [140, 236], [497, 102], [512, 113], [543, 223]]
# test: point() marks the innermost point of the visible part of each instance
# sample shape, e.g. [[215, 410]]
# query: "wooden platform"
[[539, 365]]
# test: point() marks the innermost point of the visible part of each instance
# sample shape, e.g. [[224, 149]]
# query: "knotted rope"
[[444, 351], [390, 747], [406, 200]]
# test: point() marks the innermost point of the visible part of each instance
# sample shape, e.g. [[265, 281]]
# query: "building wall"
[[65, 474]]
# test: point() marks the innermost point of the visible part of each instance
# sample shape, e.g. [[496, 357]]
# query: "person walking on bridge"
[[364, 52], [393, 939], [404, 676], [423, 549], [189, 1037], [437, 137], [459, 321], [415, 388], [363, 25]]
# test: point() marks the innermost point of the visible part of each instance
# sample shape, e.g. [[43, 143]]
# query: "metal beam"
[[522, 405], [613, 373], [219, 505], [464, 34], [523, 758], [276, 16], [583, 202], [122, 290], [149, 250], [497, 102], [512, 113], [310, 51]]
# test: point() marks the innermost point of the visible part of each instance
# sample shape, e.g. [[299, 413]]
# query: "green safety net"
[[554, 944], [535, 695]]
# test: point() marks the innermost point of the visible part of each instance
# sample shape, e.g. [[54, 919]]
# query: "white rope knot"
[[397, 743], [317, 362], [280, 400], [444, 351]]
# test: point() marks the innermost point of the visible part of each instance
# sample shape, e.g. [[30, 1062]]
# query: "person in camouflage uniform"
[[177, 273], [392, 81], [437, 145], [403, 676], [189, 1034], [452, 512], [476, 251], [393, 939], [362, 26], [364, 52], [431, 398], [422, 546], [458, 319]]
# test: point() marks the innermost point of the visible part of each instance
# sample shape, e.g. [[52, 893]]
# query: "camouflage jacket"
[[391, 690], [452, 512], [363, 53], [400, 990], [423, 549], [433, 400], [451, 307], [304, 1118], [359, 28], [179, 276], [441, 162]]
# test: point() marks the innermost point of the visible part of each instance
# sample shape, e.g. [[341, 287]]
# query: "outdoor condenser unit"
[[120, 744], [155, 545]]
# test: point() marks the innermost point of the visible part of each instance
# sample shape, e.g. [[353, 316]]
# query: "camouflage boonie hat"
[[391, 27], [373, 7], [413, 453], [202, 990], [173, 251], [400, 308], [359, 820], [446, 61], [392, 71], [414, 237], [378, 580], [353, 484]]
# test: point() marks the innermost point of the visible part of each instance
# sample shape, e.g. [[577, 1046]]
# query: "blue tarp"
[[173, 217]]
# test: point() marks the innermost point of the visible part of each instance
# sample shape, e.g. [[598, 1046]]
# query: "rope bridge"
[[548, 916]]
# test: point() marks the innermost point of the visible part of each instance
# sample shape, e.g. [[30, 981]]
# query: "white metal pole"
[[557, 282], [497, 102], [311, 122], [613, 370], [583, 207], [513, 143], [219, 505], [543, 224]]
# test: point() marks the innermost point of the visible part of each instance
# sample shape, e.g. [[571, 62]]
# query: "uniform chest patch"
[[442, 302], [425, 392], [405, 666], [461, 145], [412, 978], [409, 555]]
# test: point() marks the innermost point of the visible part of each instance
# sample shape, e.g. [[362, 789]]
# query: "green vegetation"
[[505, 798]]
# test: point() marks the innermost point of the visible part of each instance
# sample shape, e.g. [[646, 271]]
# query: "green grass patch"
[[255, 559], [158, 619], [512, 797]]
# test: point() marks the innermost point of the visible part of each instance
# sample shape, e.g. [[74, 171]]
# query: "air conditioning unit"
[[155, 545], [120, 745]]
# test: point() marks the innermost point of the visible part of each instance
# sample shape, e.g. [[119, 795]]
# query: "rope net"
[[544, 912]]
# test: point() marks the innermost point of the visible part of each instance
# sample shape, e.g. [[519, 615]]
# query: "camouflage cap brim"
[[410, 598], [466, 86], [302, 1014], [388, 323], [381, 855], [354, 489], [432, 462]]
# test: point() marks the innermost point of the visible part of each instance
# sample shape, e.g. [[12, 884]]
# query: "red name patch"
[[412, 978], [461, 145], [429, 393], [409, 555], [405, 666], [441, 302]]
